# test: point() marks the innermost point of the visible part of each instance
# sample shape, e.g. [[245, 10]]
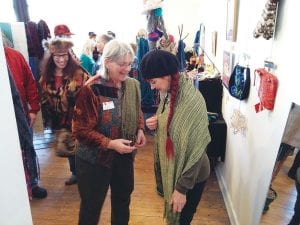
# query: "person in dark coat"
[[28, 93]]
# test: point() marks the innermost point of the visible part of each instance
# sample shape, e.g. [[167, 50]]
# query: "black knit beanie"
[[158, 63]]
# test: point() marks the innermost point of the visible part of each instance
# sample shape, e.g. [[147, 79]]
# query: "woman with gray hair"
[[109, 126]]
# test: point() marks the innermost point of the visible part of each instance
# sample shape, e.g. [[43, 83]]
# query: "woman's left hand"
[[178, 201], [92, 79], [140, 139]]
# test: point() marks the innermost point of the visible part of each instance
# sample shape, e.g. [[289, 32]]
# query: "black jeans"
[[193, 198], [93, 184], [72, 164]]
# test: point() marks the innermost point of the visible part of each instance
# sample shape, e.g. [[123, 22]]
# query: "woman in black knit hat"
[[182, 135]]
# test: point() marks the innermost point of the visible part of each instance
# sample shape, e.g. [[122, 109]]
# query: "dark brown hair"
[[48, 70]]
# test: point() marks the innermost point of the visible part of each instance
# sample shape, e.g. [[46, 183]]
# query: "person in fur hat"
[[63, 31], [61, 79]]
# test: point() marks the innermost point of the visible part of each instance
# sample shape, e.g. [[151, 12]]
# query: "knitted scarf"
[[190, 136], [131, 106]]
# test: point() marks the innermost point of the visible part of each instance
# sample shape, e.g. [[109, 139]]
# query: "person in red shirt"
[[25, 82], [27, 88]]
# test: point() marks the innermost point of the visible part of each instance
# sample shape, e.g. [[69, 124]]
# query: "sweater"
[[23, 79]]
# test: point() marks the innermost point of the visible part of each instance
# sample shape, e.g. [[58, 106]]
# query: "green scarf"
[[190, 135], [131, 105]]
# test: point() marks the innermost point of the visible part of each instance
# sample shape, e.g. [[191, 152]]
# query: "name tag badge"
[[108, 105]]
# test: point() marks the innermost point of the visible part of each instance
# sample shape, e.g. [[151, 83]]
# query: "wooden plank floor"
[[62, 204], [282, 208]]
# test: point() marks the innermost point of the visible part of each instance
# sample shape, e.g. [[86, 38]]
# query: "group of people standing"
[[90, 58], [99, 126]]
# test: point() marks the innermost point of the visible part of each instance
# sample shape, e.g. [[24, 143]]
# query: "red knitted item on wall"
[[267, 90]]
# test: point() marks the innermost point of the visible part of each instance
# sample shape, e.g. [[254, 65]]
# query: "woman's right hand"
[[122, 146], [151, 122]]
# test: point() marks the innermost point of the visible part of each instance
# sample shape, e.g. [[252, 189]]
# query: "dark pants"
[[93, 184], [296, 218], [193, 198], [72, 164]]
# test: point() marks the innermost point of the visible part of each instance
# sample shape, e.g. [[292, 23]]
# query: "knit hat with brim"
[[158, 63], [62, 29]]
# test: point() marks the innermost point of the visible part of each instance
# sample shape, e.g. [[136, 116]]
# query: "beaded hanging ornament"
[[238, 122]]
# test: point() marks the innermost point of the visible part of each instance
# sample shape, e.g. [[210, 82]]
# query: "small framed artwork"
[[214, 38], [228, 61], [231, 20]]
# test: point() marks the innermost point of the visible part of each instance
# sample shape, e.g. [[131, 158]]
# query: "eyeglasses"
[[60, 56], [124, 65]]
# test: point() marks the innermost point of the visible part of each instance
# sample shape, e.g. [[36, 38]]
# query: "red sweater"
[[24, 80]]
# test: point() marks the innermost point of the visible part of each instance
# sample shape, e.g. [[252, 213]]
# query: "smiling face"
[[61, 59], [118, 70], [161, 83]]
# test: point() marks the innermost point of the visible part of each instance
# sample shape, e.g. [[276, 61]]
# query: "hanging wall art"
[[228, 62], [231, 20]]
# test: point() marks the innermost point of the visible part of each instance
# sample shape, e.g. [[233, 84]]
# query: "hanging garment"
[[148, 96], [181, 56], [199, 40], [33, 41], [44, 34]]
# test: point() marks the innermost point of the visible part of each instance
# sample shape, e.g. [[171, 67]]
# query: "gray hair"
[[114, 51], [104, 38]]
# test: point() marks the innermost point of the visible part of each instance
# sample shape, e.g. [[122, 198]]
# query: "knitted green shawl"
[[190, 135], [131, 105]]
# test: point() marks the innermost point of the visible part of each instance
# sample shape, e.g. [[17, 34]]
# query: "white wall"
[[14, 204], [247, 170], [250, 157]]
